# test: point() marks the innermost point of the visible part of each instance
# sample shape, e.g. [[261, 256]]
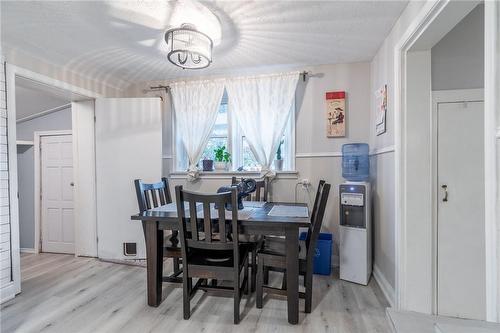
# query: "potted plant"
[[222, 158], [208, 164], [278, 162]]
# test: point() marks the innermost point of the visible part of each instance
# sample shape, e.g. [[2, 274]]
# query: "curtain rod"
[[304, 75]]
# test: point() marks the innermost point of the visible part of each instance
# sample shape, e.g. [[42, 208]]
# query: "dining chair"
[[151, 196], [209, 248], [255, 241], [273, 253]]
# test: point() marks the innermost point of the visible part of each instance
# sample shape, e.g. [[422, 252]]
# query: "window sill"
[[229, 174]]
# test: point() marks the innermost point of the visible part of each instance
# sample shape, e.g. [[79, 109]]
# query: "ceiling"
[[122, 41]]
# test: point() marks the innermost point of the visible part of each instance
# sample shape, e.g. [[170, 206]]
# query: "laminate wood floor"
[[61, 293]]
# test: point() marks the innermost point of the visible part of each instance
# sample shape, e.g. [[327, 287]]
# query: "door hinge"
[[95, 119]]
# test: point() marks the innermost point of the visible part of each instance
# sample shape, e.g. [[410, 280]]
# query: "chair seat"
[[275, 246], [222, 258]]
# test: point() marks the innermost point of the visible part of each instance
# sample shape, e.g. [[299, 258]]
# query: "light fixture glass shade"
[[188, 48]]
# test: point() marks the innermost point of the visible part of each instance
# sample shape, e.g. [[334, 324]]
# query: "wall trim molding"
[[384, 285], [384, 150], [378, 151], [44, 113], [27, 250], [319, 154]]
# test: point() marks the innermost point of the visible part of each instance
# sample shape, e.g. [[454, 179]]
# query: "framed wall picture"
[[381, 95], [335, 114]]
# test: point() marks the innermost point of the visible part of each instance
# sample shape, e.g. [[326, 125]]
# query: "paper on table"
[[243, 214], [256, 204], [289, 211]]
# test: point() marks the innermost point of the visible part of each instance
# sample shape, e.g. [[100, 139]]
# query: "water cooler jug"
[[355, 222]]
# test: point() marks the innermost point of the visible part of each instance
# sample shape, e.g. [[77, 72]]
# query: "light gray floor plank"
[[413, 322], [61, 293]]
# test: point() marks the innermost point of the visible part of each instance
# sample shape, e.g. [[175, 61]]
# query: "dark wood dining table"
[[256, 221]]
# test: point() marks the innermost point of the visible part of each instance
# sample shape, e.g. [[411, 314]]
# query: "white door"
[[460, 229], [58, 228], [128, 138]]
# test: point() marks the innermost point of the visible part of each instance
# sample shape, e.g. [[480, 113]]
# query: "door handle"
[[445, 188], [72, 184]]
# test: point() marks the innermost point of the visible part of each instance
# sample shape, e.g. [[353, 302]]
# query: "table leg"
[[154, 261], [292, 274]]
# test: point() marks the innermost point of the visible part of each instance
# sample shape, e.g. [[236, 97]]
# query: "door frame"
[[426, 16], [37, 154], [11, 72], [442, 96]]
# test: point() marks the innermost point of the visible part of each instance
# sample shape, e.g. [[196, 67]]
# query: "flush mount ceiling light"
[[193, 31], [189, 48]]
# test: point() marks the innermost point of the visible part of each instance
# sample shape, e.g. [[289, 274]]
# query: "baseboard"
[[384, 285], [7, 292], [27, 250], [390, 321]]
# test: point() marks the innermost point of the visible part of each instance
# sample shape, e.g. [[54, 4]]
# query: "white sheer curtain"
[[195, 105], [262, 105]]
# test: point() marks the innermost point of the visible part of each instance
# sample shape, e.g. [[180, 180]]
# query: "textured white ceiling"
[[122, 42]]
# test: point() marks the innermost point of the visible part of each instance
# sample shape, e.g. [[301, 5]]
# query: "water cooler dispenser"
[[355, 211]]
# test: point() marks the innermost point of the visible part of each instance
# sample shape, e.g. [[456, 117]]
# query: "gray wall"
[[458, 58], [60, 120]]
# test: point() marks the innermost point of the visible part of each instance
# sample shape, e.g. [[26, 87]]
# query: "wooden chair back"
[[317, 219], [212, 233], [316, 199], [152, 195], [261, 190]]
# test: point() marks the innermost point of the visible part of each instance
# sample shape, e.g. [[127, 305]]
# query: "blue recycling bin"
[[323, 253]]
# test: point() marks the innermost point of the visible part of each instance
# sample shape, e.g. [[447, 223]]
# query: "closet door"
[[461, 252], [128, 137]]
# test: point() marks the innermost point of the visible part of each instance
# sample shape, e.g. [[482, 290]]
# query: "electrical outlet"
[[305, 182]]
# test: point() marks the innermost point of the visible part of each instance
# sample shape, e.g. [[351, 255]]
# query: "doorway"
[[41, 111], [442, 52]]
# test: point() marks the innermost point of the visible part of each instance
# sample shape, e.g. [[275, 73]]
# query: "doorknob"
[[72, 184], [445, 188]]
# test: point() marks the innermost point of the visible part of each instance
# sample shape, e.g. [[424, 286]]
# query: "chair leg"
[[186, 291], [246, 278], [308, 285], [254, 268], [236, 302], [176, 265], [266, 275], [260, 282], [283, 283]]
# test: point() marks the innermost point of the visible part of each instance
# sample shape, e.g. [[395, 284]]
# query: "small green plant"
[[221, 154], [278, 153]]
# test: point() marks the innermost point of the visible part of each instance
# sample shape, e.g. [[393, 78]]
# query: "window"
[[227, 132], [220, 134]]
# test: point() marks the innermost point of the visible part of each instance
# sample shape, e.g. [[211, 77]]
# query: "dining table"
[[254, 219]]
